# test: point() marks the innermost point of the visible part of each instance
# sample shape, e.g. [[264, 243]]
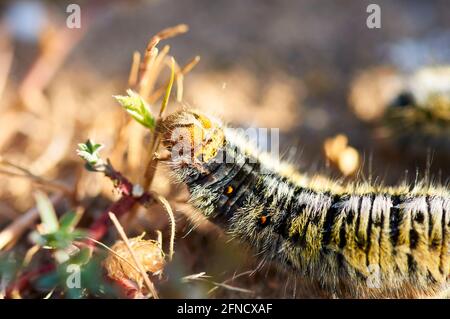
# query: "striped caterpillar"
[[353, 240], [412, 109]]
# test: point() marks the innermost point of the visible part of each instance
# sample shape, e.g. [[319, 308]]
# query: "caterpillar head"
[[192, 137]]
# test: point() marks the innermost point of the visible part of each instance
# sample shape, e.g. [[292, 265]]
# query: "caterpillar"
[[413, 110], [353, 240]]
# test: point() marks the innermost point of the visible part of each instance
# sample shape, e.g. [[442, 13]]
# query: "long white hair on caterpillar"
[[356, 240]]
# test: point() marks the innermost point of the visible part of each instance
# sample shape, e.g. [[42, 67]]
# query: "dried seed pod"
[[148, 253]]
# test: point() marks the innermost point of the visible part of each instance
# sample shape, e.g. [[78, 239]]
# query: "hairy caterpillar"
[[412, 109], [354, 240]]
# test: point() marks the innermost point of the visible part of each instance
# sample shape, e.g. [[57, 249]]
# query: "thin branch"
[[153, 73], [150, 52], [124, 205], [172, 31], [26, 278], [168, 88], [134, 71], [26, 173], [41, 182]]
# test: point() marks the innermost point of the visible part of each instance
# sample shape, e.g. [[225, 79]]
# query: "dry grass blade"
[[245, 273], [180, 80], [124, 237], [25, 173], [204, 278], [168, 88], [134, 71], [29, 254], [172, 31], [146, 71], [16, 228], [185, 70], [162, 35], [193, 277], [169, 211], [229, 287], [154, 143], [148, 82]]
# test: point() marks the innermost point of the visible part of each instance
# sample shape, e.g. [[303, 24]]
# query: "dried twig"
[[25, 173], [162, 35], [134, 71], [153, 74]]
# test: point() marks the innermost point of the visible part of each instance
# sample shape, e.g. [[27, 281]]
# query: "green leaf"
[[38, 239], [67, 221], [62, 238], [169, 88], [136, 106], [47, 212], [93, 282], [89, 152], [82, 257]]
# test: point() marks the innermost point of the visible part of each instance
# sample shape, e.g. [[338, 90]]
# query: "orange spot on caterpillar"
[[229, 190], [322, 215], [263, 220]]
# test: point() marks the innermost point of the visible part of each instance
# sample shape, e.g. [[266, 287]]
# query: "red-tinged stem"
[[26, 278], [121, 183], [99, 227], [119, 208], [128, 289]]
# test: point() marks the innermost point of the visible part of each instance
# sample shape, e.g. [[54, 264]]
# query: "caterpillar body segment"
[[357, 241]]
